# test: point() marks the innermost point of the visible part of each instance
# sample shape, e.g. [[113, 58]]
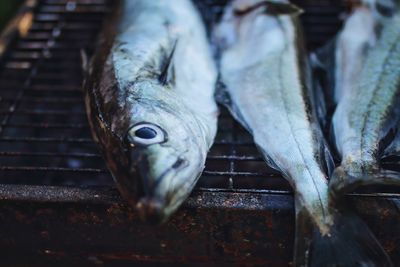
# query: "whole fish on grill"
[[266, 85], [365, 72], [150, 102]]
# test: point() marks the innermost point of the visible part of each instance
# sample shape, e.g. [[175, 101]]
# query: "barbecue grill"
[[58, 203]]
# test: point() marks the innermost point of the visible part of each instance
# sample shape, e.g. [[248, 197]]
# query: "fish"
[[394, 148], [266, 84], [365, 72], [149, 94], [384, 8]]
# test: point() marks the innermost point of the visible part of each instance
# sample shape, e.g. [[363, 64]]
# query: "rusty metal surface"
[[94, 227], [58, 204]]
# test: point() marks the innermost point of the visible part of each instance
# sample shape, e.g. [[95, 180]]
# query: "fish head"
[[165, 155]]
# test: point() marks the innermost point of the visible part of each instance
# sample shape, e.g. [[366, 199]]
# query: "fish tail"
[[343, 182], [349, 243]]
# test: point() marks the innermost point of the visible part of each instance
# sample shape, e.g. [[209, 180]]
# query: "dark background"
[[7, 9]]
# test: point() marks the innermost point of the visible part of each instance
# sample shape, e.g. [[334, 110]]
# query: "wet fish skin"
[[149, 98], [350, 49], [269, 92], [368, 110], [246, 86]]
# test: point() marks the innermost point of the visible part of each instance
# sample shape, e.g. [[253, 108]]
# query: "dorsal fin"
[[167, 73], [270, 8]]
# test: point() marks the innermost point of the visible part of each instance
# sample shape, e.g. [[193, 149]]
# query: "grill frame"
[[239, 224]]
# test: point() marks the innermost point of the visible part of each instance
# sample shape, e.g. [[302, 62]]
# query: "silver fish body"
[[351, 49], [267, 88], [269, 94], [367, 88], [149, 98]]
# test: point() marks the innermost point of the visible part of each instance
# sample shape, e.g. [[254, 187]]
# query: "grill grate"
[[59, 206], [44, 135]]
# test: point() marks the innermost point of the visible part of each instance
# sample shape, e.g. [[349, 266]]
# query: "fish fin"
[[274, 8], [328, 163], [84, 61], [389, 140], [168, 71], [270, 7], [393, 149], [270, 162], [323, 64], [332, 140], [320, 102], [222, 97], [324, 57], [349, 243], [221, 94], [86, 57], [86, 65], [343, 182]]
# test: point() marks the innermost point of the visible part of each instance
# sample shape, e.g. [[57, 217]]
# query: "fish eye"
[[146, 134]]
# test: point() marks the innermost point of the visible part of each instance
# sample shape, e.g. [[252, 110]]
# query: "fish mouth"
[[151, 211], [155, 201], [154, 204]]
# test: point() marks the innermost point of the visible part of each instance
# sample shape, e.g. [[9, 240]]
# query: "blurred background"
[[7, 9]]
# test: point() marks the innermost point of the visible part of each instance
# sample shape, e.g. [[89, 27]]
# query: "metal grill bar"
[[237, 158], [83, 170], [52, 169], [47, 126], [56, 191], [87, 140], [244, 174], [44, 127], [42, 87], [48, 154], [46, 140], [41, 100], [91, 155], [42, 112]]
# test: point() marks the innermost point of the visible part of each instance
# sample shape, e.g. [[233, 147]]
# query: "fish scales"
[[150, 102], [368, 112], [291, 134], [269, 92], [285, 129]]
